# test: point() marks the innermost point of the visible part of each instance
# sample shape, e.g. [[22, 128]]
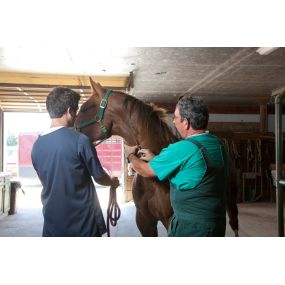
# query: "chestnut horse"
[[114, 113]]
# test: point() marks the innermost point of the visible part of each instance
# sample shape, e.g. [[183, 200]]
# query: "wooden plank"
[[23, 94], [27, 91], [41, 96], [22, 104], [13, 97], [39, 88], [25, 108], [31, 79]]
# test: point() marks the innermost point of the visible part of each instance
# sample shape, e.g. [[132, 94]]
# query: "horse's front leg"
[[145, 219], [147, 224]]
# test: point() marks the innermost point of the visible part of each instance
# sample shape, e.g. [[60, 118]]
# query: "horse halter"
[[98, 118]]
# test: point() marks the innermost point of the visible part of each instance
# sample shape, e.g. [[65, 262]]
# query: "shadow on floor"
[[256, 219]]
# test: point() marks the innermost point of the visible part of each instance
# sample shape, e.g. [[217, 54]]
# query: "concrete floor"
[[256, 219]]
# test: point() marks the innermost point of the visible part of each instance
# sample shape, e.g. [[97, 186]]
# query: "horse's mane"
[[152, 119]]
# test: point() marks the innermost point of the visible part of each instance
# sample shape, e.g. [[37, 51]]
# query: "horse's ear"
[[96, 88]]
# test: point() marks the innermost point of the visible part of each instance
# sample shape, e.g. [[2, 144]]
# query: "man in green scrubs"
[[197, 168]]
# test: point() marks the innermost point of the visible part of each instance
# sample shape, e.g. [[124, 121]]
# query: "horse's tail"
[[231, 200]]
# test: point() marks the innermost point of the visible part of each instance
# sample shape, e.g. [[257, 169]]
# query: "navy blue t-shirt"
[[65, 160]]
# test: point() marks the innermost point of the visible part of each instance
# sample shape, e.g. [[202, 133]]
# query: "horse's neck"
[[127, 129], [130, 128]]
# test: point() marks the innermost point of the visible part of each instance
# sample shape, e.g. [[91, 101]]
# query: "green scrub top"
[[197, 170]]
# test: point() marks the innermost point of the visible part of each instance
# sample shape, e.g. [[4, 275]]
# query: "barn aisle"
[[256, 219]]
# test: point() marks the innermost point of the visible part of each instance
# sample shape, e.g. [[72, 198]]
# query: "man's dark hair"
[[60, 99], [195, 111]]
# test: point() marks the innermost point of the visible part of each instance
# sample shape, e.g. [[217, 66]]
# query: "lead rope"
[[113, 211]]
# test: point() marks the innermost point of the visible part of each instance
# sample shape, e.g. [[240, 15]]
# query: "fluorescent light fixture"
[[266, 50]]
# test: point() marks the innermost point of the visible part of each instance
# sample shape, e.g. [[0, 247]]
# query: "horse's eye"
[[83, 110]]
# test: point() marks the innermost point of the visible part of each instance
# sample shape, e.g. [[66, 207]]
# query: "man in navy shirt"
[[65, 160]]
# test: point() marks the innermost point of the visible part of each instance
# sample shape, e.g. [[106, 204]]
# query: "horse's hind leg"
[[233, 218], [231, 198], [146, 224]]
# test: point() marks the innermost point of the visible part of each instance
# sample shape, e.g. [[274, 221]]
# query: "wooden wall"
[[252, 154], [128, 181]]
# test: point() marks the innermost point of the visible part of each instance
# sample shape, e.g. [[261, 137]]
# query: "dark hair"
[[59, 100], [195, 111]]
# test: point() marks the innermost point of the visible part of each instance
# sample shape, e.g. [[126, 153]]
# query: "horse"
[[108, 113]]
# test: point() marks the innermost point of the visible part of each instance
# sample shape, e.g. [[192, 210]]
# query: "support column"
[[263, 118], [1, 139]]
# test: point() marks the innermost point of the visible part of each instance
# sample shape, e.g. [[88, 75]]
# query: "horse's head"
[[93, 119]]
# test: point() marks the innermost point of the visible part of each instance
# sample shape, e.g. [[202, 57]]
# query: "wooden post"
[[1, 139], [128, 182], [263, 118]]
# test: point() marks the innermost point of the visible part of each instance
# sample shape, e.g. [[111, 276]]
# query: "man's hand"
[[130, 149], [145, 154], [115, 182]]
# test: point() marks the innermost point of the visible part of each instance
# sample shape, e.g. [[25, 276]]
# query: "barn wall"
[[246, 118], [271, 123], [245, 121], [235, 113]]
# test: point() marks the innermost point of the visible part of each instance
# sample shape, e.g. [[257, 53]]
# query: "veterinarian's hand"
[[130, 149], [145, 154]]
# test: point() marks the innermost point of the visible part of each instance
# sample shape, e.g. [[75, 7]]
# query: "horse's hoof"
[[236, 233]]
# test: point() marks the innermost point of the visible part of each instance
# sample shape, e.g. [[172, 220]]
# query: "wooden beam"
[[23, 94], [21, 102], [260, 99], [26, 106], [48, 88], [22, 97], [28, 91], [23, 105], [1, 138], [51, 80]]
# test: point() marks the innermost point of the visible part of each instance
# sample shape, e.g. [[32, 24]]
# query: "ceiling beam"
[[51, 80]]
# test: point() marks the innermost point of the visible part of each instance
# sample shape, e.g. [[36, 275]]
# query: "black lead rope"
[[113, 211]]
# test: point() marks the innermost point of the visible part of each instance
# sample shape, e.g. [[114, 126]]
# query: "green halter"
[[98, 118]]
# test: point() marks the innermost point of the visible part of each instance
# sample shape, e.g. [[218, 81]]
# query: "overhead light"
[[266, 50]]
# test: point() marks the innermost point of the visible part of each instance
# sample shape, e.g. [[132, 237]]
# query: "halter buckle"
[[104, 103]]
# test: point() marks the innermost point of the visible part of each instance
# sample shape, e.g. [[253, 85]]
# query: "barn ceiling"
[[227, 75]]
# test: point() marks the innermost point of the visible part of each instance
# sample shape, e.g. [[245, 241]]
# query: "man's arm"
[[106, 180], [89, 155]]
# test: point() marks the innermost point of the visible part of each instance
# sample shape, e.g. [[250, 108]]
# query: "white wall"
[[234, 118], [252, 118]]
